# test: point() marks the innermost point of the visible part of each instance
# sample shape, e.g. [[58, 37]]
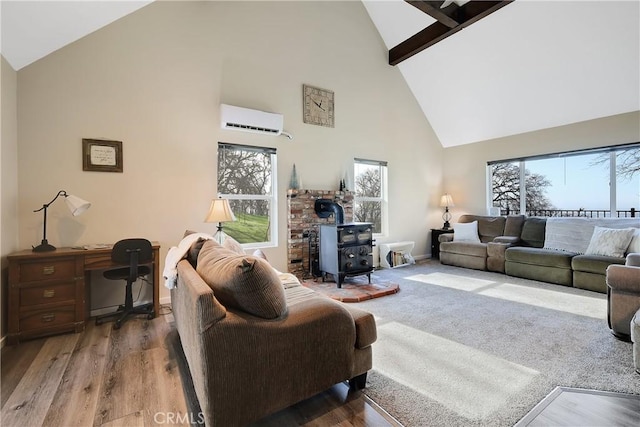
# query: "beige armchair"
[[623, 294]]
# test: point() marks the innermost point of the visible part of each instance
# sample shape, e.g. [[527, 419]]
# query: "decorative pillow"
[[466, 232], [194, 249], [634, 246], [233, 245], [242, 281], [610, 241], [259, 254]]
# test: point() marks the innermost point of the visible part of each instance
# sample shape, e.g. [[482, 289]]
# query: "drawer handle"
[[48, 293], [48, 270], [49, 317]]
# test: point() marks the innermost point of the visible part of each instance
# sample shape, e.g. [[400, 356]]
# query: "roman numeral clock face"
[[318, 108]]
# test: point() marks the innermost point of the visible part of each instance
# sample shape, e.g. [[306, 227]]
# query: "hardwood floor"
[[130, 377], [566, 406]]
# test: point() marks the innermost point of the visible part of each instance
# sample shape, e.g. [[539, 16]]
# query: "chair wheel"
[[150, 316], [116, 325]]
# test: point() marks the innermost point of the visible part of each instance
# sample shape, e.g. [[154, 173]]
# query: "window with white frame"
[[370, 198], [247, 178], [602, 182]]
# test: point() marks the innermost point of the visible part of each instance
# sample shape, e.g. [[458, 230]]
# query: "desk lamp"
[[446, 201], [75, 204], [220, 212]]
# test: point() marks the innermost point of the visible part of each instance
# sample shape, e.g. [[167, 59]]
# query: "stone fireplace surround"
[[303, 225]]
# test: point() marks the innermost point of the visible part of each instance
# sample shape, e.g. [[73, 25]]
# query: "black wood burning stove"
[[346, 249]]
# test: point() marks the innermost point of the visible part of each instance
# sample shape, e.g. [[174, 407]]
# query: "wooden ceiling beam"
[[432, 8], [465, 15]]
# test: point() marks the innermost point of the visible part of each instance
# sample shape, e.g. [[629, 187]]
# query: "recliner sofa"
[[520, 251]]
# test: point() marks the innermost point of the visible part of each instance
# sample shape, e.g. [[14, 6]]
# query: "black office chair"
[[131, 252]]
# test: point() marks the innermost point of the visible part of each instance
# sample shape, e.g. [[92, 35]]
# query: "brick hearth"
[[302, 221]]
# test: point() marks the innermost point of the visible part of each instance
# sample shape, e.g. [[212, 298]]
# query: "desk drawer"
[[37, 319], [44, 294], [54, 269]]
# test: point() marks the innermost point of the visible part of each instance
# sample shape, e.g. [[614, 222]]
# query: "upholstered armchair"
[[623, 294]]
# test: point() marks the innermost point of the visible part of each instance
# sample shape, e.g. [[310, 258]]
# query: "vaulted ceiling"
[[477, 74]]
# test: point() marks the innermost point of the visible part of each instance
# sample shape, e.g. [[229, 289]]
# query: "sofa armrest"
[[194, 305], [623, 278], [366, 332], [633, 259], [446, 237]]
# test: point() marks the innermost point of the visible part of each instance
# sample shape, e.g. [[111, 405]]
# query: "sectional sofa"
[[565, 251]]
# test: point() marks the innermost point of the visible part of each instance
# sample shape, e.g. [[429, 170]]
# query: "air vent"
[[251, 128], [248, 120]]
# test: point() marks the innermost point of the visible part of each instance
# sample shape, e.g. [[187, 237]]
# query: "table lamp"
[[75, 204], [220, 212], [446, 201]]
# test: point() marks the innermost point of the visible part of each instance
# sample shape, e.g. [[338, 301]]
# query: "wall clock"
[[318, 106]]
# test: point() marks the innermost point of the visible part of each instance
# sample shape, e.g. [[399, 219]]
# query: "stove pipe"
[[325, 208]]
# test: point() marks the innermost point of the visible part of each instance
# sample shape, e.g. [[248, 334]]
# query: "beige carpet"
[[460, 347]]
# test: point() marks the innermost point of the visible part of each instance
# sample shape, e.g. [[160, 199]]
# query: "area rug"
[[460, 347], [354, 289]]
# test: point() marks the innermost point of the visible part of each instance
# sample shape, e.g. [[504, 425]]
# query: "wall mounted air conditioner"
[[248, 120]]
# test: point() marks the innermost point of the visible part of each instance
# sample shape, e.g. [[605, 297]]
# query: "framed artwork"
[[318, 106], [100, 155]]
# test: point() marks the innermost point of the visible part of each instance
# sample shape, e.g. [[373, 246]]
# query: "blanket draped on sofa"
[[574, 234]]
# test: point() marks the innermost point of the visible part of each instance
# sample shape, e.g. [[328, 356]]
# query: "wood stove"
[[346, 249]]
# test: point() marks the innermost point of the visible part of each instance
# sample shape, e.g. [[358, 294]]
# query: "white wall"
[[8, 175], [155, 79], [463, 162]]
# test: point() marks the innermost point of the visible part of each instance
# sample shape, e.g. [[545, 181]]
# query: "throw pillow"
[[634, 246], [232, 244], [194, 249], [609, 241], [466, 232], [242, 281], [259, 254]]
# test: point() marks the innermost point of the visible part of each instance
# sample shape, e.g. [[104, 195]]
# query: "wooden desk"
[[49, 291]]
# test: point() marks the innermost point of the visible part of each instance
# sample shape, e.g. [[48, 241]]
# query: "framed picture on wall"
[[99, 155]]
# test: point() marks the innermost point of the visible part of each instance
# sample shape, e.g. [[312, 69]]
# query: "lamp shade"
[[220, 211], [446, 201], [76, 205]]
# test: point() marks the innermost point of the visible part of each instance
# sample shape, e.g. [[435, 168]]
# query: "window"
[[247, 177], [600, 182], [370, 201]]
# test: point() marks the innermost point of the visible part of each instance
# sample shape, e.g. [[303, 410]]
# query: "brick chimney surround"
[[303, 225]]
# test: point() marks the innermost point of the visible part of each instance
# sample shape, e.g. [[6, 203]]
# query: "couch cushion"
[[489, 227], [464, 248], [533, 231], [609, 241], [240, 281], [513, 225], [596, 264], [539, 257]]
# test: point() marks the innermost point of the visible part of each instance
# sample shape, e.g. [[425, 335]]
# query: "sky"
[[577, 183]]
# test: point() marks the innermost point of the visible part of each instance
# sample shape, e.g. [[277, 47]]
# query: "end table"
[[435, 243]]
